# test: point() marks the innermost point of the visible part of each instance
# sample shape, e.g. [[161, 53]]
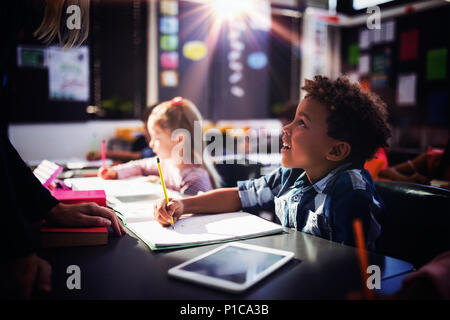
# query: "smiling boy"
[[322, 186]]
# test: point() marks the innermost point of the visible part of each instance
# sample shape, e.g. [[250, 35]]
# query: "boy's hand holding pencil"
[[164, 212], [171, 221]]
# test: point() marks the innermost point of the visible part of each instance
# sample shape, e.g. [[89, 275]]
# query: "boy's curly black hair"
[[354, 116]]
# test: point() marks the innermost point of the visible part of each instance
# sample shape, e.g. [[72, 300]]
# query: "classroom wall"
[[406, 64], [51, 141]]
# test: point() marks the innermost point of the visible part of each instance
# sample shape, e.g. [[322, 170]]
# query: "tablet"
[[232, 267]]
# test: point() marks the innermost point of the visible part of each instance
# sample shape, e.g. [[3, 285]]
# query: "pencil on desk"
[[164, 188], [362, 256]]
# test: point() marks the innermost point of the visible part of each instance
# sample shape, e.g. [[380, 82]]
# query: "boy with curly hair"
[[322, 186]]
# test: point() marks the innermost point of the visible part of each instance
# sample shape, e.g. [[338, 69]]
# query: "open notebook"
[[200, 229], [133, 200], [190, 230]]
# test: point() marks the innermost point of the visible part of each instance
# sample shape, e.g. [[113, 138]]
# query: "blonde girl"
[[173, 126]]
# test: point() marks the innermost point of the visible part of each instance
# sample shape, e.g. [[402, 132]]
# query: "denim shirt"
[[326, 208]]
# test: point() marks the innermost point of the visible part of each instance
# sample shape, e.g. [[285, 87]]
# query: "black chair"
[[416, 227], [231, 173]]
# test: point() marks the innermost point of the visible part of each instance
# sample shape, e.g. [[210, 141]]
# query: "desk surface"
[[127, 269]]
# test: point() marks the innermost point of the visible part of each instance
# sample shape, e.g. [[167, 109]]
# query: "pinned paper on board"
[[377, 36], [385, 34], [168, 42], [168, 25], [406, 89], [437, 64], [364, 40], [409, 45], [169, 78], [169, 60], [364, 64], [169, 7], [389, 31]]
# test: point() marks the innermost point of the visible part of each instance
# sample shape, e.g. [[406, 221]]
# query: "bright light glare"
[[231, 9], [362, 4]]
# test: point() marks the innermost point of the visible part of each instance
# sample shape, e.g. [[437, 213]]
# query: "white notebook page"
[[201, 228]]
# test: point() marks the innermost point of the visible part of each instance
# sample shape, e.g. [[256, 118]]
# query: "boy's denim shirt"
[[326, 208]]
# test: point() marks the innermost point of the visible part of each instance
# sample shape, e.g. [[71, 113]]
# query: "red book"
[[73, 237], [52, 237]]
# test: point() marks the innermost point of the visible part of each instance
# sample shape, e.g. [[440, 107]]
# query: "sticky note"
[[169, 78], [169, 60], [364, 64], [376, 36], [168, 42], [389, 31], [168, 25], [437, 64], [353, 54], [406, 89], [364, 40], [409, 45], [169, 7]]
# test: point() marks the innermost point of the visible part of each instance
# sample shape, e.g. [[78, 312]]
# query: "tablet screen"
[[234, 264]]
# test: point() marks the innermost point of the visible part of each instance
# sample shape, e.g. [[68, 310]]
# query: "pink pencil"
[[103, 154]]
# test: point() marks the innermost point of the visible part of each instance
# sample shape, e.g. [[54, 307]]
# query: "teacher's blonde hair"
[[51, 25]]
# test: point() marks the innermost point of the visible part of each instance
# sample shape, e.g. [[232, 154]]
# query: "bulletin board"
[[406, 62], [222, 67]]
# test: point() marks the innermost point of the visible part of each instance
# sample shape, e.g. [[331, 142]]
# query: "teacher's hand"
[[22, 276], [84, 215], [163, 212]]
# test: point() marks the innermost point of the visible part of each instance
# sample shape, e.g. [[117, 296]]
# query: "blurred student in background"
[[431, 165], [139, 149], [188, 178]]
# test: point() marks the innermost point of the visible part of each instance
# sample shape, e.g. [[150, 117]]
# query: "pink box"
[[80, 196]]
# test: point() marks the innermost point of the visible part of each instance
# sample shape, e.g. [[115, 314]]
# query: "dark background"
[[433, 26], [118, 66]]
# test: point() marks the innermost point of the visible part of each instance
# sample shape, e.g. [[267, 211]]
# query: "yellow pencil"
[[164, 189]]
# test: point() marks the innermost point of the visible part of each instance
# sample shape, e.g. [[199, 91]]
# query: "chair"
[[416, 227], [233, 172]]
